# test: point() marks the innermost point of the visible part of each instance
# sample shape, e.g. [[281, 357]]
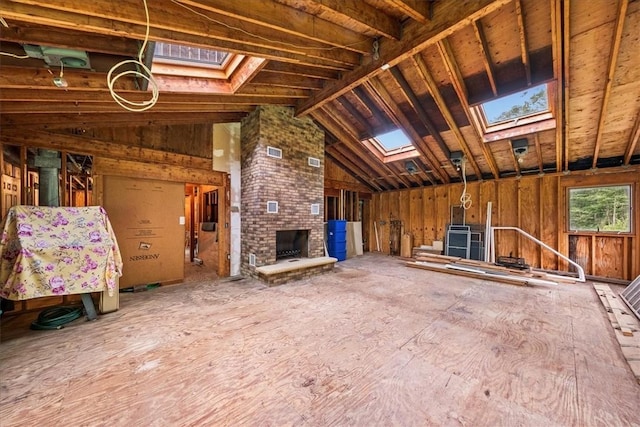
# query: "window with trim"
[[529, 110], [600, 209]]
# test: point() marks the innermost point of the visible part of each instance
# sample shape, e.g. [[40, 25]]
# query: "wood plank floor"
[[371, 343]]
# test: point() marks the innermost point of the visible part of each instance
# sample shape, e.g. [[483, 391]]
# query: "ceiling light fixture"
[[520, 147], [60, 81], [385, 66]]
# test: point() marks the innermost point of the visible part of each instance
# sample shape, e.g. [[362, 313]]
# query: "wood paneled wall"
[[535, 204]]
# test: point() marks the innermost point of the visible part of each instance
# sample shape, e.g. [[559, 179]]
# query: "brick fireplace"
[[282, 192]]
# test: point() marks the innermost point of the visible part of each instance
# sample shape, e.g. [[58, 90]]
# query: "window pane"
[[393, 140], [522, 104], [600, 208]]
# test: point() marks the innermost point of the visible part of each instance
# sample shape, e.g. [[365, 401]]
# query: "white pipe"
[[487, 234], [581, 277]]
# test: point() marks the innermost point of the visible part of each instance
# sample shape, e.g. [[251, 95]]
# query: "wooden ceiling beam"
[[301, 70], [417, 107], [28, 33], [94, 147], [42, 78], [56, 95], [75, 107], [120, 119], [184, 29], [524, 50], [484, 54], [560, 52], [357, 116], [270, 92], [611, 70], [365, 14], [293, 81], [336, 128], [381, 166], [418, 10], [377, 89], [362, 96], [455, 76], [633, 140], [449, 17], [380, 179], [347, 164], [281, 18], [432, 86], [536, 140]]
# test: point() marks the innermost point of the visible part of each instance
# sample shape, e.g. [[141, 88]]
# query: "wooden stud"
[[564, 95], [556, 44], [611, 69]]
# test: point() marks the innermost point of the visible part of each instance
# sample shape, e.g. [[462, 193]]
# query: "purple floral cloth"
[[48, 251]]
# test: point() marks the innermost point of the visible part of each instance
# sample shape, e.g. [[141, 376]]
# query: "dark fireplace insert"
[[292, 244]]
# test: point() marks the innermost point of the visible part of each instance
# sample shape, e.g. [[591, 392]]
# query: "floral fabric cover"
[[48, 251]]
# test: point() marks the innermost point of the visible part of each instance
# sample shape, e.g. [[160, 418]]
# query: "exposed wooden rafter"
[[611, 69], [455, 76], [126, 19], [448, 18], [561, 109], [363, 13], [484, 54], [633, 141], [377, 89], [410, 95], [524, 50], [536, 141], [281, 18], [418, 10], [418, 62]]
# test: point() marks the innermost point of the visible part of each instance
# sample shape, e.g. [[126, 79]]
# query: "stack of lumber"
[[484, 270], [625, 325]]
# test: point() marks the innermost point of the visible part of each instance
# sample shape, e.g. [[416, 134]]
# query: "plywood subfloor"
[[371, 343]]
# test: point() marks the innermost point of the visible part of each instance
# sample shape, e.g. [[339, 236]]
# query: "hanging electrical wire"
[[465, 199], [13, 55], [146, 74]]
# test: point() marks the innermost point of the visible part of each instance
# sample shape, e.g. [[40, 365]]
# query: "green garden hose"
[[56, 317]]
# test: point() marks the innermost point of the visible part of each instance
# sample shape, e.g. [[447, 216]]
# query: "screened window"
[[600, 209]]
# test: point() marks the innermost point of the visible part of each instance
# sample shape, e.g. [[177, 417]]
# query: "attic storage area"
[[232, 134]]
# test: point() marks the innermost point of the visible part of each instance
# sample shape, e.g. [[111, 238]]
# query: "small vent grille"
[[272, 207], [315, 209], [274, 152], [252, 260], [314, 162]]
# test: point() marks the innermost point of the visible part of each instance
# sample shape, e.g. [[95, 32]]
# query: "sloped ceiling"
[[325, 59]]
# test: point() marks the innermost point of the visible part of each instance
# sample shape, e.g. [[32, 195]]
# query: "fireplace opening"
[[292, 244]]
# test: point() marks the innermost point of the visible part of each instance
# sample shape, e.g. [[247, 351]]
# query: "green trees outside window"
[[606, 209]]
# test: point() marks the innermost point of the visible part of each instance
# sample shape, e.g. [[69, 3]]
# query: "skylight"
[[190, 54], [393, 140], [528, 102]]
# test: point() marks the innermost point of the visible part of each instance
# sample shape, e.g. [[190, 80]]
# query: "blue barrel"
[[337, 239]]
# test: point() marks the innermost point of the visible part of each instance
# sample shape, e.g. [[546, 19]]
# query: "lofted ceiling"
[[358, 68]]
